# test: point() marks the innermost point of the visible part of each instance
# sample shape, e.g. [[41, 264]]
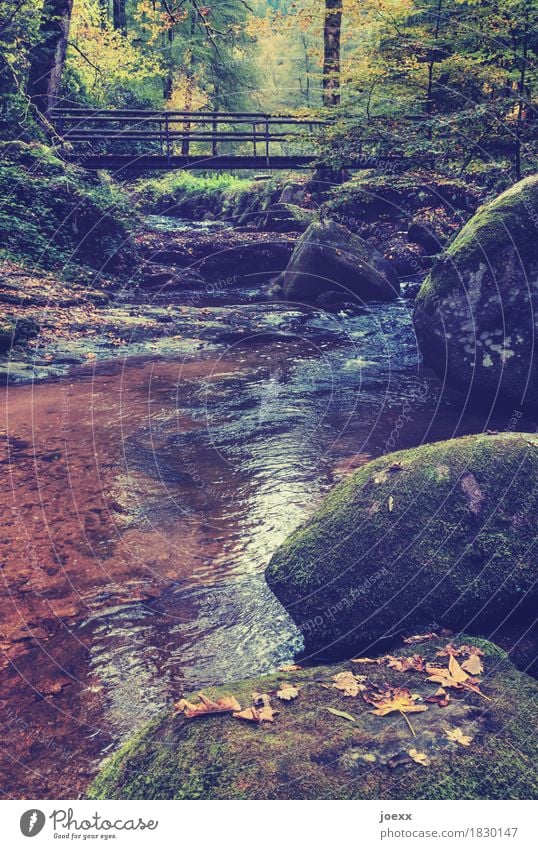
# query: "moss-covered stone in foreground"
[[309, 753], [444, 533]]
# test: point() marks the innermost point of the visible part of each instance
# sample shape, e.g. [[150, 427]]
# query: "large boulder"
[[286, 218], [329, 257], [437, 535], [309, 752], [476, 313]]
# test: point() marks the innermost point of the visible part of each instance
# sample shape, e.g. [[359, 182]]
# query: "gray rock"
[[328, 257]]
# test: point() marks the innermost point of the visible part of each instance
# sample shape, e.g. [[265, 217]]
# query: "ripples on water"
[[243, 456]]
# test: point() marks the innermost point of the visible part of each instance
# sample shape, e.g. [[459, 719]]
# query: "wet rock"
[[437, 534], [293, 193], [155, 277], [286, 218], [330, 257], [307, 752], [475, 315]]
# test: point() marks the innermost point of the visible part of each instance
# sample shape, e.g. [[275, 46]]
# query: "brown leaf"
[[420, 638], [367, 660], [404, 664], [261, 699], [449, 650], [473, 665], [291, 667], [419, 757], [440, 697], [456, 735], [205, 706], [254, 714], [287, 692], [397, 699], [349, 683]]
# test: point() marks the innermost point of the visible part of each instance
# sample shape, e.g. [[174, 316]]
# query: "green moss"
[[404, 549], [53, 213], [308, 753]]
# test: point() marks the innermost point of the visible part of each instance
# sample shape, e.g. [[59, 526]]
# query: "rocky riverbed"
[[164, 440]]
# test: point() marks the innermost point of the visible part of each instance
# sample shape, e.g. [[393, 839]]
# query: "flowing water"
[[202, 465]]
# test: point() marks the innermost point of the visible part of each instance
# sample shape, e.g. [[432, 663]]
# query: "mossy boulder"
[[437, 535], [307, 752], [287, 218], [328, 257], [476, 313], [52, 212]]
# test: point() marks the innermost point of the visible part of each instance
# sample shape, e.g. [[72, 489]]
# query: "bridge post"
[[214, 127], [167, 136], [267, 140]]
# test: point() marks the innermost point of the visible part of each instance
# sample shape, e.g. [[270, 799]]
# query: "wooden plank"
[[119, 162]]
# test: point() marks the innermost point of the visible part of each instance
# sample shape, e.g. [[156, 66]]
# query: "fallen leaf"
[[341, 713], [440, 697], [287, 692], [420, 638], [404, 664], [456, 735], [473, 665], [291, 667], [205, 706], [254, 714], [366, 660], [396, 699], [449, 651], [261, 699], [349, 683], [391, 503], [419, 757]]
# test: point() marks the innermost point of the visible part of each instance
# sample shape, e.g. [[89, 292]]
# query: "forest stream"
[[147, 496]]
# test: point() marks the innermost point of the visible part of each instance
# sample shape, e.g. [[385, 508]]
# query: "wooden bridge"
[[146, 139]]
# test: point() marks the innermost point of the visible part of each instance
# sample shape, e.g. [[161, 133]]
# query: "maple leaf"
[[456, 735], [396, 699], [349, 683], [287, 692], [205, 706], [473, 665], [404, 664], [448, 651], [341, 714], [454, 676], [440, 697], [254, 714], [419, 757]]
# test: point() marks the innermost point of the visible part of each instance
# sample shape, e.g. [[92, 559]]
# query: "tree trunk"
[[331, 52], [47, 58], [119, 17]]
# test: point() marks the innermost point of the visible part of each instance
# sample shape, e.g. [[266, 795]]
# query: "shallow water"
[[202, 465]]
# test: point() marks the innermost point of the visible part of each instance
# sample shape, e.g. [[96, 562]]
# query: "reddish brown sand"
[[70, 546]]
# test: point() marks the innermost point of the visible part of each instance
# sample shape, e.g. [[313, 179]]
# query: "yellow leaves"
[[473, 665], [454, 676], [419, 757], [287, 692], [254, 714], [396, 699], [205, 706], [456, 735], [405, 664], [349, 684]]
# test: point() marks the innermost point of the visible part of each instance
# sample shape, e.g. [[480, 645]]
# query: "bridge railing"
[[170, 133]]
